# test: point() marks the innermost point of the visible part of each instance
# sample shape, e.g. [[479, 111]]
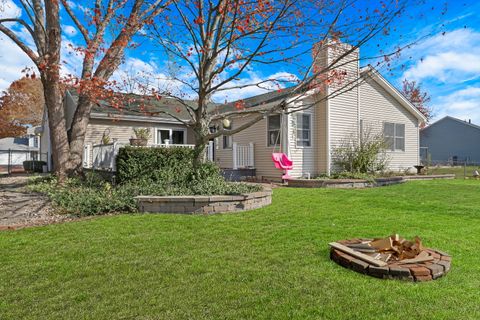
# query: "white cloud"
[[462, 104], [69, 30], [255, 84], [8, 9], [450, 58], [12, 61]]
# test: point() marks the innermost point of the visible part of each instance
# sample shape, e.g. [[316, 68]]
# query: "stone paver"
[[20, 208]]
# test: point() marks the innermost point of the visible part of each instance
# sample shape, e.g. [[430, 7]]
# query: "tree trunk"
[[57, 125], [201, 131], [77, 135]]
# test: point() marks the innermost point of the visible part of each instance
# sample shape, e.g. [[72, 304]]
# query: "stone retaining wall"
[[205, 204], [359, 183], [422, 271]]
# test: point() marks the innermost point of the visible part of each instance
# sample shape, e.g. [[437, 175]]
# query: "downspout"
[[327, 107]]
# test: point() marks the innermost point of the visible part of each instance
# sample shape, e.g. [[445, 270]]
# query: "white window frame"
[[395, 137], [310, 129], [228, 138], [170, 134], [279, 142]]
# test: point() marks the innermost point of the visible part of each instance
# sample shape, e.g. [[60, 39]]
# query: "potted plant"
[[141, 137]]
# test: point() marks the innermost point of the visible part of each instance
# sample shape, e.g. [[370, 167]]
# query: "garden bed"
[[205, 204], [361, 183]]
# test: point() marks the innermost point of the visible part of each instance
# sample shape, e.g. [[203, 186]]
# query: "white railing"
[[243, 155], [104, 155]]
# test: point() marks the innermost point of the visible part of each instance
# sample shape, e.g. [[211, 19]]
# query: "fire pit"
[[391, 258]]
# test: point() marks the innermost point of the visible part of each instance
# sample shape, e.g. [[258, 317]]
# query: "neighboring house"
[[450, 140], [309, 137], [13, 151]]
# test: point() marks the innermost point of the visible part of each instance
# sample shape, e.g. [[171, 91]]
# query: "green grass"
[[270, 263], [459, 171]]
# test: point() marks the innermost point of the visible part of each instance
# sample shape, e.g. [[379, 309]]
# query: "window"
[[174, 136], [273, 130], [394, 136], [304, 130], [228, 140]]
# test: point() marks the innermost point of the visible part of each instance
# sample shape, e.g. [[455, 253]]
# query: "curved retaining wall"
[[420, 271], [359, 183], [205, 204]]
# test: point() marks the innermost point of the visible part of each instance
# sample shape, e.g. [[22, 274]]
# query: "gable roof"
[[256, 101], [469, 124], [375, 75], [140, 106], [16, 144]]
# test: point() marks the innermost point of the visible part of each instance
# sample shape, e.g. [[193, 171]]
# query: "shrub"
[[34, 165], [156, 164], [142, 171], [365, 156]]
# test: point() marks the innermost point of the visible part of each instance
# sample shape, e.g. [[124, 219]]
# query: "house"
[[450, 141], [15, 150], [308, 137], [110, 127]]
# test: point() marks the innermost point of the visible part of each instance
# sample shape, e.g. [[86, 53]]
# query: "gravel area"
[[20, 208]]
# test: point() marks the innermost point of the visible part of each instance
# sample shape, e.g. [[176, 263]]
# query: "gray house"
[[450, 141]]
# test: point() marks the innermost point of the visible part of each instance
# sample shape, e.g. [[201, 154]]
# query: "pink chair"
[[282, 162]]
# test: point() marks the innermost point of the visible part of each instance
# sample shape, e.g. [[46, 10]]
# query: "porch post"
[[210, 151], [234, 155], [251, 154]]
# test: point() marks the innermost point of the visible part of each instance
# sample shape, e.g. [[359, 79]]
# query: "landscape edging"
[[205, 204]]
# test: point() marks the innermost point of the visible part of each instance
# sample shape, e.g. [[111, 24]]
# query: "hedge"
[[33, 165], [152, 164]]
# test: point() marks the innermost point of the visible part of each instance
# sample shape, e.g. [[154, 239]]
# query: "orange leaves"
[[22, 104], [240, 105], [199, 20]]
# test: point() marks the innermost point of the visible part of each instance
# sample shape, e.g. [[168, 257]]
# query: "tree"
[[419, 98], [212, 45], [102, 54], [21, 105]]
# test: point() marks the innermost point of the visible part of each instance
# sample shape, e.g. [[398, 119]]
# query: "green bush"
[[34, 165], [366, 155], [156, 164], [141, 171]]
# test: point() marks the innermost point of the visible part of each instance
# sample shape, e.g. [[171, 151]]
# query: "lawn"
[[459, 171], [270, 263]]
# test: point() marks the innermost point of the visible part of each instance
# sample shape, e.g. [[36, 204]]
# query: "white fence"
[[243, 155], [104, 155]]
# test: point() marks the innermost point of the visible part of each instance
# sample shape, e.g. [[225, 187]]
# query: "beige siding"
[[343, 106], [378, 106], [263, 154], [123, 130], [303, 157], [320, 144]]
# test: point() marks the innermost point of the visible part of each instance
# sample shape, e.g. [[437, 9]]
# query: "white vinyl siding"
[[263, 154], [303, 157], [377, 107], [304, 130]]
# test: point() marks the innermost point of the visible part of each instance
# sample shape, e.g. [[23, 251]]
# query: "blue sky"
[[446, 62]]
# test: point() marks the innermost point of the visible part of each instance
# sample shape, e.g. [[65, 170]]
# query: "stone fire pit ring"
[[418, 272]]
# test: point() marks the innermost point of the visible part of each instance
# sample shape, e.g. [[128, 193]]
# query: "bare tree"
[[101, 57], [216, 43]]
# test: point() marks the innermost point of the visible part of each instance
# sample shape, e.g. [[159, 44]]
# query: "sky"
[[446, 62]]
